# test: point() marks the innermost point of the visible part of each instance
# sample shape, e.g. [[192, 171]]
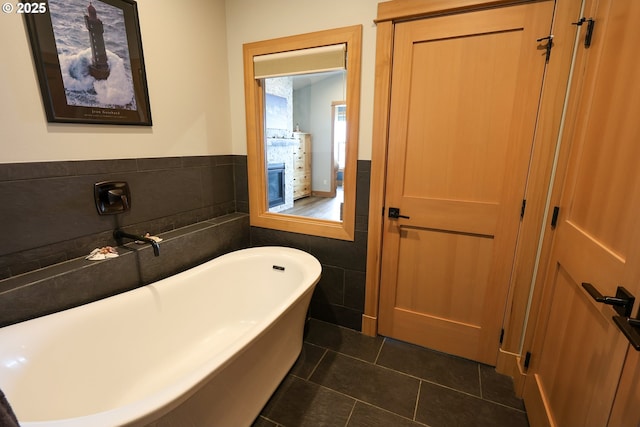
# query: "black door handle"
[[395, 213], [629, 328], [622, 302]]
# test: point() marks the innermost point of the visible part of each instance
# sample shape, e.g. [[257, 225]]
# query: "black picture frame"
[[65, 65]]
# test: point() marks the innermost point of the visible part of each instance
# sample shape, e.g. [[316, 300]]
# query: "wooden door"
[[464, 96], [626, 407], [575, 371]]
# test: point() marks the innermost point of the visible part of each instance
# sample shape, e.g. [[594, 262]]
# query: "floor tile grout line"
[[450, 388], [363, 402], [415, 409], [474, 395], [505, 405], [410, 376], [271, 421], [345, 354], [480, 381], [326, 350], [356, 400], [353, 408], [376, 365], [401, 373], [361, 347], [384, 340], [421, 378]]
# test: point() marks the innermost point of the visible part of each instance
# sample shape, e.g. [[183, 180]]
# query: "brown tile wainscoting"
[[49, 214]]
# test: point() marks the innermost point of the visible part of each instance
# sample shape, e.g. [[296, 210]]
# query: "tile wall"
[[48, 222], [339, 297], [48, 214]]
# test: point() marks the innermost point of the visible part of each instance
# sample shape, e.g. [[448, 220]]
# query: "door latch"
[[546, 47], [395, 213], [589, 34]]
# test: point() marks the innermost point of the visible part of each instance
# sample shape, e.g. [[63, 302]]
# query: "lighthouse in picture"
[[99, 67]]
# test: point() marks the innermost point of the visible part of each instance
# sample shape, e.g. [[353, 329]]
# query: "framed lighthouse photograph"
[[89, 61]]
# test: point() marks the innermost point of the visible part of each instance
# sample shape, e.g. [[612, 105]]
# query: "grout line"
[[353, 408], [480, 381], [270, 420], [415, 410], [356, 400], [317, 364], [364, 402], [474, 396], [384, 340], [386, 368], [420, 379], [505, 406], [450, 388], [326, 350], [341, 353], [408, 375]]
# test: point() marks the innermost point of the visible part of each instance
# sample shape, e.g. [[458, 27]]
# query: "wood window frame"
[[254, 104]]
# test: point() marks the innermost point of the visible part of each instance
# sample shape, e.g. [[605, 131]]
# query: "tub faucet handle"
[[118, 195]]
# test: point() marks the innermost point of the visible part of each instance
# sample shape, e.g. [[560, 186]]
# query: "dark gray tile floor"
[[343, 378]]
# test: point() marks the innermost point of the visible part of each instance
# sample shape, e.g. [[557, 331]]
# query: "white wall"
[[256, 20], [185, 52], [193, 57], [323, 93]]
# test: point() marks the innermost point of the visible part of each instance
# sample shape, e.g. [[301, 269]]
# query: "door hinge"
[[527, 359], [524, 206], [554, 217], [501, 335], [589, 34], [547, 46]]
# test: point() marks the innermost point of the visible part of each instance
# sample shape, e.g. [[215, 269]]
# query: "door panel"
[[452, 258], [626, 409], [464, 99], [577, 368], [578, 327]]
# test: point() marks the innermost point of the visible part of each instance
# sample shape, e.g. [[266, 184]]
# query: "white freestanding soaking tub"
[[204, 348]]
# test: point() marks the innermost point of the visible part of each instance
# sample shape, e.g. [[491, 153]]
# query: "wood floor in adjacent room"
[[318, 207]]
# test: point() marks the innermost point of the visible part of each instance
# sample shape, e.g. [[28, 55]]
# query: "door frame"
[[530, 253]]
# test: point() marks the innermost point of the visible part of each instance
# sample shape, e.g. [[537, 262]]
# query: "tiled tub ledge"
[[79, 281]]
